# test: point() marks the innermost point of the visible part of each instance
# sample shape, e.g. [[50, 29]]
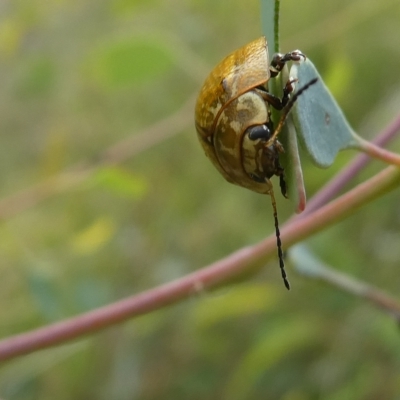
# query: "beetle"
[[234, 125]]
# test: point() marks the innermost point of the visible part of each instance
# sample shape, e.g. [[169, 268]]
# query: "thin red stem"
[[335, 185], [238, 263]]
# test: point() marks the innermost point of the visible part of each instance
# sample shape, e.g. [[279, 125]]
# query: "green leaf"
[[320, 124], [280, 342], [243, 300], [268, 23], [125, 7], [93, 237], [38, 78], [129, 62], [120, 182], [292, 165], [45, 294]]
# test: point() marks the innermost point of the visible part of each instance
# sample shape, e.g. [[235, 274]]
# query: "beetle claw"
[[279, 60]]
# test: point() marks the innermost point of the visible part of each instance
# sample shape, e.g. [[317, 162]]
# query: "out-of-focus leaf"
[[129, 62], [278, 343], [55, 150], [120, 182], [91, 293], [359, 384], [127, 6], [242, 300], [339, 75], [39, 76], [24, 370], [11, 33], [45, 294], [93, 237], [305, 262], [321, 126]]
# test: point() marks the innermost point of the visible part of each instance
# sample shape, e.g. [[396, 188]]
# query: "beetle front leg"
[[282, 184], [279, 171], [279, 60], [276, 102], [287, 90]]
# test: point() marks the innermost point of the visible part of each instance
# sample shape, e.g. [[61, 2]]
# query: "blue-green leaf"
[[320, 124]]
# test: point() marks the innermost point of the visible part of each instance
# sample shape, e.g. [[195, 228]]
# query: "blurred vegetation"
[[79, 76]]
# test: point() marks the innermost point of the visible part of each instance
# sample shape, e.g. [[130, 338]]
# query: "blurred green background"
[[77, 77]]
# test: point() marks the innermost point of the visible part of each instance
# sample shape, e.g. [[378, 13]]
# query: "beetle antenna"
[[272, 139], [278, 240], [287, 109]]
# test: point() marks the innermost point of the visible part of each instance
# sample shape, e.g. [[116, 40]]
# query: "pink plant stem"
[[378, 152], [238, 263], [243, 261], [334, 186]]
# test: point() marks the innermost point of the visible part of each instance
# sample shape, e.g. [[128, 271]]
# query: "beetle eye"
[[259, 132]]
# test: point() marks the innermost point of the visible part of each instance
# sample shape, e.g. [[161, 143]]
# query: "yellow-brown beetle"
[[233, 120]]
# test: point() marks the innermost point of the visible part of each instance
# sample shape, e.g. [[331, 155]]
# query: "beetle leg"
[[278, 146], [269, 98], [259, 132], [279, 60], [279, 171], [287, 109], [286, 92], [276, 102], [282, 184]]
